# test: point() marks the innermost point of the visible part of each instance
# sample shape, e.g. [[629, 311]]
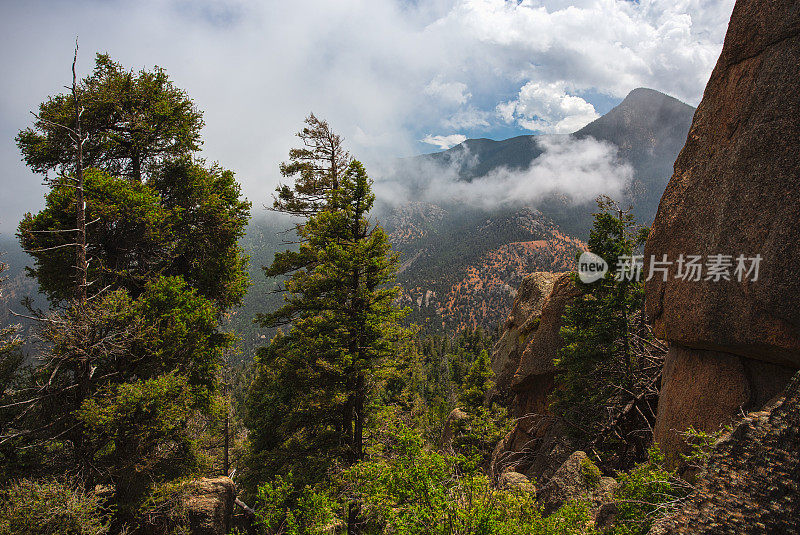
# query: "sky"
[[395, 78]]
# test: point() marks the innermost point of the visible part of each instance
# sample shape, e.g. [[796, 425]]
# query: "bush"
[[647, 492], [700, 445], [410, 489], [49, 508], [279, 509]]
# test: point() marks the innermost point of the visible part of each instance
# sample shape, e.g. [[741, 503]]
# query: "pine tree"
[[317, 167], [486, 422], [318, 376], [598, 366], [122, 147], [126, 371], [478, 382]]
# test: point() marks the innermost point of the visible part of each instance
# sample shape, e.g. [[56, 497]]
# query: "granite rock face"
[[523, 357], [735, 191], [523, 319], [537, 445]]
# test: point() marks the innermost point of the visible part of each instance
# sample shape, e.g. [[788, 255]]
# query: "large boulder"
[[515, 481], [450, 429], [735, 191], [522, 321], [209, 505], [578, 479], [537, 445], [702, 389], [533, 379], [750, 482]]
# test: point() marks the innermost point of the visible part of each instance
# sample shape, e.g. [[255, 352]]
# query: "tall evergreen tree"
[[125, 371], [478, 382], [311, 392], [599, 367]]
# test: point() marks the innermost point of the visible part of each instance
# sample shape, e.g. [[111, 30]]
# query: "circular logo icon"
[[591, 267]]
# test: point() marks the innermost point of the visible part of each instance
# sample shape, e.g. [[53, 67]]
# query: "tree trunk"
[[80, 260], [226, 466], [84, 374], [137, 166]]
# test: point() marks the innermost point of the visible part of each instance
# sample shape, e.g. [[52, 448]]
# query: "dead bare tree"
[[78, 137], [74, 364], [81, 263]]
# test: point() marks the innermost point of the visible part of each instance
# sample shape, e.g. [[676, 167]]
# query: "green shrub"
[[476, 436], [49, 508], [410, 489], [700, 444], [280, 509], [163, 510], [646, 493]]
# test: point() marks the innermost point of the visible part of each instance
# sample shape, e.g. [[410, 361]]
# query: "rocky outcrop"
[[523, 361], [450, 428], [750, 484], [209, 505], [523, 357], [523, 320], [533, 380], [735, 191], [578, 478]]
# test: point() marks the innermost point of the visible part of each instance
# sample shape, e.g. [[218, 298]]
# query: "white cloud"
[[449, 92], [548, 108], [612, 45], [444, 142], [578, 169], [258, 68], [469, 117]]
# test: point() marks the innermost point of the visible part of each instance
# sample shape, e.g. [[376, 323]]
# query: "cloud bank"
[[385, 73], [444, 142], [578, 170]]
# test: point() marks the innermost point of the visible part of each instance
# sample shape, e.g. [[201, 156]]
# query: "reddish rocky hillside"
[[484, 295], [462, 270]]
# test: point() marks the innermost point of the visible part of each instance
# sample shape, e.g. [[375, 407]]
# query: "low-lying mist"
[[577, 169]]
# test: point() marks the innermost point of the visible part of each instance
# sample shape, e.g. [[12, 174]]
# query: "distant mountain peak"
[[643, 109], [641, 93]]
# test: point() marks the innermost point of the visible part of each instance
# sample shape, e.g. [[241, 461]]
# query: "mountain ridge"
[[455, 274]]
